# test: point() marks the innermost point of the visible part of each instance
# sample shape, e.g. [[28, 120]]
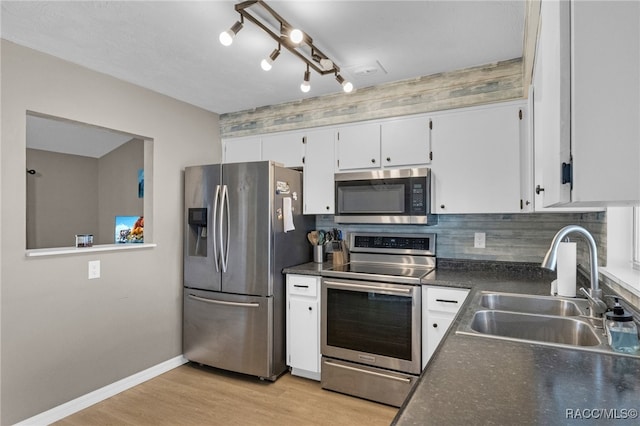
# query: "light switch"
[[94, 269]]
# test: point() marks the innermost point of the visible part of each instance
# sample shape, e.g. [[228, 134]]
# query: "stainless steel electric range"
[[371, 316]]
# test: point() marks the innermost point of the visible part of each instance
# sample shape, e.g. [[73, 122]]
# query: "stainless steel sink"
[[545, 305], [533, 319], [539, 328]]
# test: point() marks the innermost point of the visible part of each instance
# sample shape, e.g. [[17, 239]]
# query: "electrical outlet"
[[479, 240], [94, 269]]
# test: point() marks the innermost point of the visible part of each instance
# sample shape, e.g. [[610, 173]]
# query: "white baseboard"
[[84, 401]]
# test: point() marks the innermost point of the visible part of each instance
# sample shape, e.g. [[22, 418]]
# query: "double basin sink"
[[544, 320]]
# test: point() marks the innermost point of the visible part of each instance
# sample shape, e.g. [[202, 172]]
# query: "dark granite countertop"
[[476, 380]]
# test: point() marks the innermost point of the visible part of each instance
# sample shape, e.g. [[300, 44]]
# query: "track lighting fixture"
[[305, 86], [267, 62], [346, 85], [296, 41], [226, 37]]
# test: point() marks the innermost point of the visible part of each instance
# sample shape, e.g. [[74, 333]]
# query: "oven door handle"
[[386, 290], [373, 373]]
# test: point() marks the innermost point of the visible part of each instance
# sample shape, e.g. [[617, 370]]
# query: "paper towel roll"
[[567, 269]]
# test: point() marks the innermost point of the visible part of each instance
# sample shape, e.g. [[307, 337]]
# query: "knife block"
[[340, 253]]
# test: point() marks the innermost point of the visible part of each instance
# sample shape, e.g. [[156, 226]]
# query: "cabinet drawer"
[[303, 285], [445, 299]]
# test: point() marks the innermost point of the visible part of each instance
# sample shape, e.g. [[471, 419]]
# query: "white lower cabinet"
[[303, 325], [440, 305]]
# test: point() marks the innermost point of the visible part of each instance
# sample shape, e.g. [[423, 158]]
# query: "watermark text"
[[601, 413]]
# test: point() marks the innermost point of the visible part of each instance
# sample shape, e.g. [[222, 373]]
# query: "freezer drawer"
[[231, 332]]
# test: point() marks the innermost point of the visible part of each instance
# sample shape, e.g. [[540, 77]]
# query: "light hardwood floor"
[[194, 395]]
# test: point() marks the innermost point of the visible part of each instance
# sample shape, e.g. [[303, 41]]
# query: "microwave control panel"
[[418, 201]]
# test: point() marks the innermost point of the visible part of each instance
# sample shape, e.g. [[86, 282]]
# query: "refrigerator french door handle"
[[215, 216], [224, 244]]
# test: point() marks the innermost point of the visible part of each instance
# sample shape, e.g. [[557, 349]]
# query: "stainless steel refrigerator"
[[235, 248]]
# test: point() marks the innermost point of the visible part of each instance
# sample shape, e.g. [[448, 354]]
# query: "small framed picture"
[[129, 229]]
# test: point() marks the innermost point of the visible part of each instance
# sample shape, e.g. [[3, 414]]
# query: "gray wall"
[[62, 198], [61, 335], [118, 187]]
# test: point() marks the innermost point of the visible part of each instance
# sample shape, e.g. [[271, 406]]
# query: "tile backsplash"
[[509, 237]]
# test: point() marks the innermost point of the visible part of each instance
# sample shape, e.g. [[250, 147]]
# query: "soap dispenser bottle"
[[621, 330]]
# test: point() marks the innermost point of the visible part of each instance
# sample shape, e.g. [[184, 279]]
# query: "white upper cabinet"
[[239, 150], [587, 103], [318, 184], [358, 147], [406, 142], [398, 142], [284, 148], [477, 157]]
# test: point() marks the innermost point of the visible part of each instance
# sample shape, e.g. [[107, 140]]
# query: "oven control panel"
[[394, 243]]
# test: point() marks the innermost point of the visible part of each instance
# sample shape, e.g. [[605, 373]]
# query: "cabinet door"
[[284, 148], [406, 142], [358, 147], [605, 102], [437, 326], [587, 103], [318, 183], [476, 160], [552, 124], [239, 150], [303, 337]]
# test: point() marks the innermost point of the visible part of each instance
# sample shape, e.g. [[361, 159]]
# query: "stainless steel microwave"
[[401, 196]]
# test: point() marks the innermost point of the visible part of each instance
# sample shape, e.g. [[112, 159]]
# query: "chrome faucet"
[[594, 294]]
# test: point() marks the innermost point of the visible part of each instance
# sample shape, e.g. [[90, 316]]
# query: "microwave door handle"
[[215, 216]]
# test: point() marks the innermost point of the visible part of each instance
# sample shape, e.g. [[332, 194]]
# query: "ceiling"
[[172, 47], [70, 137]]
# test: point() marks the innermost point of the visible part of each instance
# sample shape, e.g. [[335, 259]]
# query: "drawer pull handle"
[[300, 286], [435, 325], [372, 373], [446, 301], [224, 302]]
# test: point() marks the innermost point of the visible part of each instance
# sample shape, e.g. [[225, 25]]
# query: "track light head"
[[296, 36], [305, 86], [268, 62], [226, 37], [347, 86]]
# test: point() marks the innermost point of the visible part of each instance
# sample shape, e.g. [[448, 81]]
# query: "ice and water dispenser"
[[197, 236]]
